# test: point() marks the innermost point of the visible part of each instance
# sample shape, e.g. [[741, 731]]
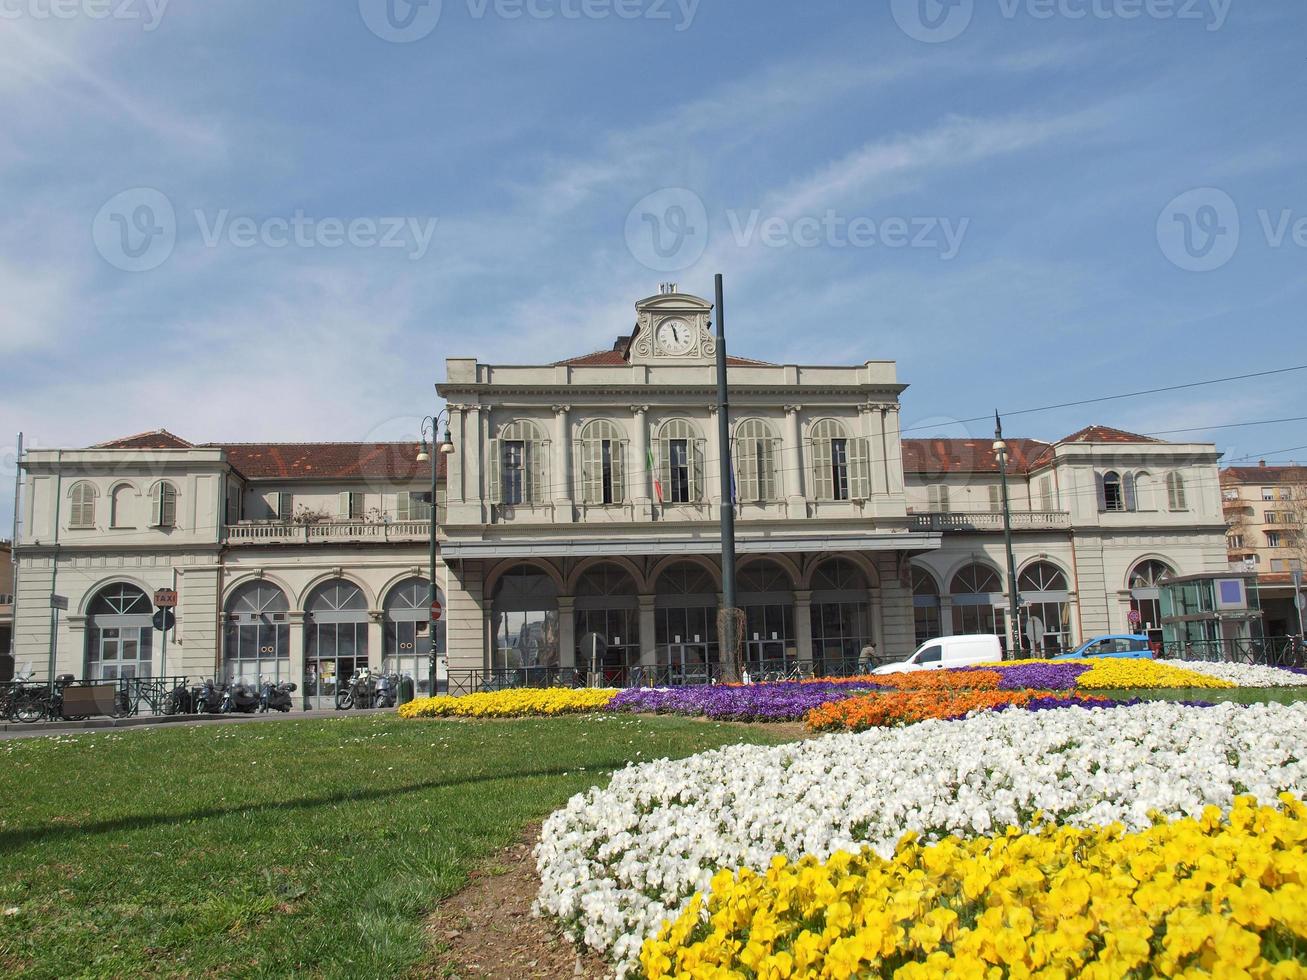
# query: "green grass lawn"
[[287, 847]]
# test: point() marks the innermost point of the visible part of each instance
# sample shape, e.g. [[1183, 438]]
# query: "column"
[[567, 635], [945, 615], [792, 463], [803, 625], [893, 451], [563, 464], [454, 491], [640, 463], [295, 668], [873, 425], [376, 638], [648, 633], [714, 460], [877, 607], [472, 450]]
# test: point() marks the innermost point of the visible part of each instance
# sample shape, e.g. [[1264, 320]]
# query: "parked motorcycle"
[[277, 697], [180, 700], [241, 699], [207, 698], [368, 690]]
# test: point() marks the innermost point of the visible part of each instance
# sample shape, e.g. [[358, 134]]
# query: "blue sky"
[[1041, 154]]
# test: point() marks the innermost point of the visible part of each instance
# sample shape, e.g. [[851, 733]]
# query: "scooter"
[[180, 700], [206, 698], [240, 699], [277, 697]]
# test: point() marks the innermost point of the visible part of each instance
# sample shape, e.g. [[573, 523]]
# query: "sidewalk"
[[12, 729]]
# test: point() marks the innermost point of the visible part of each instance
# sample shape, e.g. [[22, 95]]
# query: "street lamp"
[[1014, 628], [444, 448]]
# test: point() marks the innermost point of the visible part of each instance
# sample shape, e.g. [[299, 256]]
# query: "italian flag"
[[653, 471]]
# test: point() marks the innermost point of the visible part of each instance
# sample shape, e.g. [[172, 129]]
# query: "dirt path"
[[487, 929]]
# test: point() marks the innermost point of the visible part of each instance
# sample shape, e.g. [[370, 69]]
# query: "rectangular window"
[[1270, 517], [413, 506], [234, 507], [937, 499], [839, 468], [1113, 500], [1272, 539], [355, 506], [679, 458], [514, 466], [995, 498], [285, 506], [1235, 541], [1268, 493], [1046, 494]]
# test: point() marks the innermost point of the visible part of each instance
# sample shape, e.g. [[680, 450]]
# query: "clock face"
[[675, 336]]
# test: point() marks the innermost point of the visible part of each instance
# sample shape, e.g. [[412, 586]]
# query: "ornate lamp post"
[[1014, 619], [444, 448]]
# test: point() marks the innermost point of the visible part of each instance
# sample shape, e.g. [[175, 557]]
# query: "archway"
[[256, 634], [978, 597], [335, 640], [925, 606], [1046, 605], [409, 632], [685, 623], [524, 620], [607, 622], [1146, 593], [119, 633], [841, 617], [765, 591]]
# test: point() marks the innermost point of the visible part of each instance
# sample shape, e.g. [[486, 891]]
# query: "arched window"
[[519, 465], [685, 623], [601, 464], [680, 477], [1146, 492], [1116, 492], [524, 620], [840, 464], [766, 594], [410, 632], [1146, 593], [335, 639], [925, 605], [841, 616], [119, 633], [1046, 607], [1175, 491], [256, 640], [757, 451], [977, 595], [163, 505], [607, 623], [121, 511], [81, 512]]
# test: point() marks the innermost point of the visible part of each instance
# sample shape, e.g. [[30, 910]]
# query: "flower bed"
[[1247, 675], [1225, 896], [615, 863], [517, 703], [786, 701], [908, 707]]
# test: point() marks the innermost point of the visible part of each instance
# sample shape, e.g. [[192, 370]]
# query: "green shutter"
[[859, 470], [496, 487]]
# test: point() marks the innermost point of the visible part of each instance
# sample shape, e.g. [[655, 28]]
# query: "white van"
[[949, 651]]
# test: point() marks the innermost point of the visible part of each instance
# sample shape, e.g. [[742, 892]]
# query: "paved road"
[[14, 730]]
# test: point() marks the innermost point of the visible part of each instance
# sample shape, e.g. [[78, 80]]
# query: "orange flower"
[[907, 707]]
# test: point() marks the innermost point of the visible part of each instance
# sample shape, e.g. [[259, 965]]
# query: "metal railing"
[[1278, 651], [120, 697], [278, 533]]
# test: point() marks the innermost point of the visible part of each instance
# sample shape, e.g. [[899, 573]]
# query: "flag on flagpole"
[[657, 484]]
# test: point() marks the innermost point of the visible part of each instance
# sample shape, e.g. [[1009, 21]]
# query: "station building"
[[582, 501]]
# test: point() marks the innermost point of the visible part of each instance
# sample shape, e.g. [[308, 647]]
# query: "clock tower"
[[673, 328]]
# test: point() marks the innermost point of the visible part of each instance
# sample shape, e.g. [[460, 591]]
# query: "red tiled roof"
[[1264, 474], [937, 457], [158, 439], [394, 461], [1105, 433]]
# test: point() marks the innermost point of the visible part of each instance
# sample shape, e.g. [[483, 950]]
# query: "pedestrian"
[[867, 659]]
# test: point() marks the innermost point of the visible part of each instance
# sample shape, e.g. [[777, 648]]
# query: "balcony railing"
[[1022, 520], [345, 531]]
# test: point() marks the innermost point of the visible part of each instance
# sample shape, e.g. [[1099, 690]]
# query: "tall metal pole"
[[1297, 601], [54, 563], [13, 549], [431, 599], [728, 497], [1014, 619]]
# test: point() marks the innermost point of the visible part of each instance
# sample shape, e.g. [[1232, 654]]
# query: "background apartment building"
[[1266, 517]]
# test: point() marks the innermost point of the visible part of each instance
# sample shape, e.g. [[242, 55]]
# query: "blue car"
[[1123, 646]]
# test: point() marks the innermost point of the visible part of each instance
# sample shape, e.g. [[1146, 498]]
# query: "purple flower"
[[786, 701]]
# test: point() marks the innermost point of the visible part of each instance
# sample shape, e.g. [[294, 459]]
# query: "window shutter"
[[1102, 492], [696, 469], [156, 505], [619, 475], [995, 497], [167, 505], [745, 454], [771, 454], [496, 487], [1046, 492], [859, 467], [538, 459], [592, 471], [665, 466], [1128, 488], [1175, 491], [823, 486], [404, 506]]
